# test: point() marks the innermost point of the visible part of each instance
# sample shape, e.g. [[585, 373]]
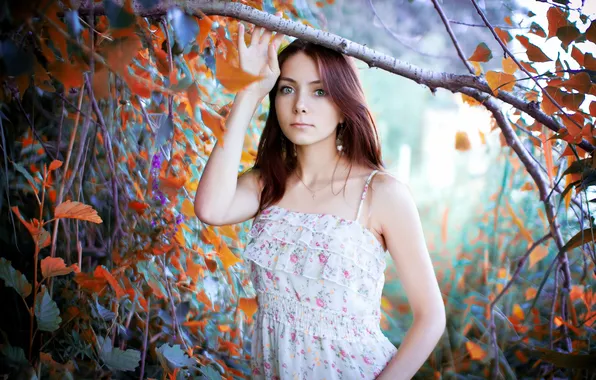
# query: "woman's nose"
[[300, 106]]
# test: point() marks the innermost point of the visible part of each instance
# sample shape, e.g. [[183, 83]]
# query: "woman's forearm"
[[420, 341], [219, 179]]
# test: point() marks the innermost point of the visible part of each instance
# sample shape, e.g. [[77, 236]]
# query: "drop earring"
[[339, 141]]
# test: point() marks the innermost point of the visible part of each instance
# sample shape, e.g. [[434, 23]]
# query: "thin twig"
[[109, 156], [17, 97], [508, 52], [145, 336], [399, 38], [493, 327], [452, 36]]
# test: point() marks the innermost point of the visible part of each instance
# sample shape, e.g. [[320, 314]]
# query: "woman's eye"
[[284, 88], [321, 93]]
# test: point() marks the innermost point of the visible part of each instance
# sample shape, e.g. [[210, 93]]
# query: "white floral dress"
[[319, 280]]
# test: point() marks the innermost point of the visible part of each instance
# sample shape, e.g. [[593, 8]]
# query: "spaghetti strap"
[[364, 192]]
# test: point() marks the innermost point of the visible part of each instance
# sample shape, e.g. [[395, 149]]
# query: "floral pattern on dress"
[[319, 280]]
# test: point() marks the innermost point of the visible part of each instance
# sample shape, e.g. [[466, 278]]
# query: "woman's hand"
[[260, 59]]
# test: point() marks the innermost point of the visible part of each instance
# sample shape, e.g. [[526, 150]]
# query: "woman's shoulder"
[[388, 187]]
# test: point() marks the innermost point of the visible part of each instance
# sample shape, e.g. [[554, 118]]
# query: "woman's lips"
[[301, 126]]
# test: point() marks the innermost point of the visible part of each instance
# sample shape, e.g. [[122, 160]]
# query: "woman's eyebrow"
[[293, 81]]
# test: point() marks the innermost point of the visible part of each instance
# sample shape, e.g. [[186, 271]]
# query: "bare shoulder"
[[392, 199], [387, 186]]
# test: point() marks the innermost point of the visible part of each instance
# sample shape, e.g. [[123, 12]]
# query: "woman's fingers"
[[266, 37], [277, 40], [241, 42]]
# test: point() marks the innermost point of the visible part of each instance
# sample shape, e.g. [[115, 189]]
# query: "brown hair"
[[360, 138]]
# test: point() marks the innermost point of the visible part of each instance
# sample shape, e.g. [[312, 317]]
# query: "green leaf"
[[166, 127], [173, 357], [26, 174], [210, 373], [185, 27], [117, 359], [565, 360], [14, 355], [13, 278], [581, 238], [104, 313], [15, 58], [46, 312], [118, 16]]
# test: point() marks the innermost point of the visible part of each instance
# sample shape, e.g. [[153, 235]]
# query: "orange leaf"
[[539, 253], [205, 25], [591, 32], [589, 61], [101, 272], [500, 81], [193, 270], [161, 61], [89, 282], [469, 100], [462, 141], [77, 210], [68, 74], [504, 36], [192, 92], [120, 54], [577, 55], [226, 256], [248, 305], [215, 123], [557, 18], [101, 82], [548, 156], [232, 78], [519, 223], [55, 164], [476, 352], [188, 208], [39, 235], [54, 266], [139, 207], [568, 34], [211, 265], [509, 66], [528, 67], [547, 105], [580, 82], [481, 54]]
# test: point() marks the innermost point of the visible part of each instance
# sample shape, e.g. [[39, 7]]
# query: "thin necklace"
[[313, 192]]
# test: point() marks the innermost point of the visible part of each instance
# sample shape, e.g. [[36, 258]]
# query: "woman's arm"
[[222, 197], [402, 231], [220, 191]]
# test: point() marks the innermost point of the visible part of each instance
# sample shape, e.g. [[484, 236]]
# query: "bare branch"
[[452, 35], [399, 38], [545, 93], [431, 79]]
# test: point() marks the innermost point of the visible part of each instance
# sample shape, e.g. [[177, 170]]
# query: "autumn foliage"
[[107, 119]]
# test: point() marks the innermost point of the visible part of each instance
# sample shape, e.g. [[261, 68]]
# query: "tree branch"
[[542, 184], [508, 52], [431, 79]]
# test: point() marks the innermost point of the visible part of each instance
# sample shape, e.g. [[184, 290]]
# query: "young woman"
[[325, 215]]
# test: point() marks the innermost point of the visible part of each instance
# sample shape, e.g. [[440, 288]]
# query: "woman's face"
[[301, 98]]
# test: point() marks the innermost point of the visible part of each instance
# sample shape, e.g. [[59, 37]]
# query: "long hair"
[[360, 138]]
